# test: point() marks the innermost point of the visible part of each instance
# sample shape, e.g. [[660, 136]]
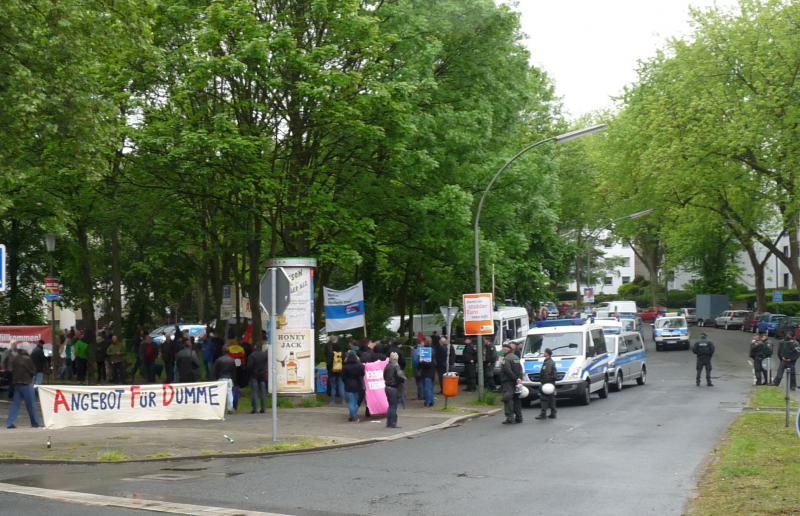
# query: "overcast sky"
[[589, 48]]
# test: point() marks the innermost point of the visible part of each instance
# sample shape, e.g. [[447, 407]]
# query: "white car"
[[732, 319]]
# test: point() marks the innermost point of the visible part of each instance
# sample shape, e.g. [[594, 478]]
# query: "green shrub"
[[786, 307]]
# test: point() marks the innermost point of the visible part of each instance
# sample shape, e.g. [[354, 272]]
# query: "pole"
[[53, 333], [786, 396], [449, 337], [273, 356], [476, 228]]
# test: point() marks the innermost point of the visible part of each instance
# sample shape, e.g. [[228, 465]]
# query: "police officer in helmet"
[[704, 349]]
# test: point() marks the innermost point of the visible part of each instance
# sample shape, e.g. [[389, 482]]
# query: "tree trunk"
[[12, 274], [116, 282], [758, 276], [578, 295], [87, 294], [794, 248], [254, 285]]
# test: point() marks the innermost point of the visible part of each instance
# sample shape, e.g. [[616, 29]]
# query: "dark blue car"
[[768, 323]]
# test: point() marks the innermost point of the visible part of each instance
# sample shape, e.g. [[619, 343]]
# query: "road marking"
[[128, 503]]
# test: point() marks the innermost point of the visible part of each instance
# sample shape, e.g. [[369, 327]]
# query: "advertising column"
[[295, 329]]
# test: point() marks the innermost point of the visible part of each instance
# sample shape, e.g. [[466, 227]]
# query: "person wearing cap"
[[788, 353], [548, 374], [704, 349], [510, 376]]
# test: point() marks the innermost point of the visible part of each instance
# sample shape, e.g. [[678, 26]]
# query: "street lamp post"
[[557, 139], [50, 245]]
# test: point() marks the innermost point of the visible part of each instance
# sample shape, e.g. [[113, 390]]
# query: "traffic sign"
[[777, 296], [282, 291], [453, 313], [2, 268]]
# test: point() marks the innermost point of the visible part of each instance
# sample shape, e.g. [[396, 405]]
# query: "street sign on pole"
[[282, 291], [275, 297], [2, 268], [478, 312], [777, 296], [449, 313]]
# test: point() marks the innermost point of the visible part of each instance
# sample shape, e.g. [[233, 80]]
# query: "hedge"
[[787, 308]]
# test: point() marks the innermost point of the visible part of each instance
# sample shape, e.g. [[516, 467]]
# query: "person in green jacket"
[[81, 350]]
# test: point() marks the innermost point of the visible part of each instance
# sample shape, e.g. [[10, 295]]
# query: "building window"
[[626, 261], [786, 251], [626, 279], [608, 280], [785, 280]]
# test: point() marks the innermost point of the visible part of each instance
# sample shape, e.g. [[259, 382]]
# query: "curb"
[[361, 442]]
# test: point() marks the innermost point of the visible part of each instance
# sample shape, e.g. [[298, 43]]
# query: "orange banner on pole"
[[478, 311]]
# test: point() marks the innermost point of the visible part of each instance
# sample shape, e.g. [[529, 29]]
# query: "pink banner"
[[375, 392]]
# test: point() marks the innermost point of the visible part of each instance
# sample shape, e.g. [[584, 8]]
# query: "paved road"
[[638, 451]]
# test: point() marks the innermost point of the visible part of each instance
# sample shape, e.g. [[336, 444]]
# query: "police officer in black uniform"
[[470, 355], [788, 353], [759, 350], [548, 374], [510, 376], [704, 349]]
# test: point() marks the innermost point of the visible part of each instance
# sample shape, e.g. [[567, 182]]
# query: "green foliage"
[[786, 308]]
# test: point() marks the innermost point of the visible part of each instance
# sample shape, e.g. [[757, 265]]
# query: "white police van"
[[626, 359], [579, 351], [671, 330]]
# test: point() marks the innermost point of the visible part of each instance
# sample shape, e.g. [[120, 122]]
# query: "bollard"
[[786, 397]]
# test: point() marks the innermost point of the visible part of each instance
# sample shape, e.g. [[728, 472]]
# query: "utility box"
[[709, 306]]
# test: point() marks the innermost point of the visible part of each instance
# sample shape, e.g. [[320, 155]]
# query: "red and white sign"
[[77, 405], [28, 336], [478, 311]]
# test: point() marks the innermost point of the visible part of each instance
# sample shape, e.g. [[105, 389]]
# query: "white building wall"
[[610, 282]]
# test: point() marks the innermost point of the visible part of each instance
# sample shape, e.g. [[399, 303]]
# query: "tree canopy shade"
[[175, 146], [709, 136]]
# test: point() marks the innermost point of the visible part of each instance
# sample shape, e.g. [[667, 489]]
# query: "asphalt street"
[[637, 452]]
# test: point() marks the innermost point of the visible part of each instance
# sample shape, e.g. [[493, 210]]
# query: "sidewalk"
[[298, 428]]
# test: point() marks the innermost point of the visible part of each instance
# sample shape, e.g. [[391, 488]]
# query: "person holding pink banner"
[[375, 388]]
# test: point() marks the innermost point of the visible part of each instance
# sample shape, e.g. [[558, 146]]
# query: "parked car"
[[750, 324], [650, 314], [690, 314], [790, 325], [627, 356], [768, 322], [731, 319]]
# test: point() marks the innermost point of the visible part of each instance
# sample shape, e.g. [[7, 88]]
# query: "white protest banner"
[[344, 309], [75, 405]]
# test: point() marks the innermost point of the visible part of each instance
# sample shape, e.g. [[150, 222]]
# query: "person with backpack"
[[335, 363], [148, 351]]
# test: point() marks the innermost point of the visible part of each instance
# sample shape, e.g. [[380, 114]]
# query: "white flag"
[[344, 309]]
